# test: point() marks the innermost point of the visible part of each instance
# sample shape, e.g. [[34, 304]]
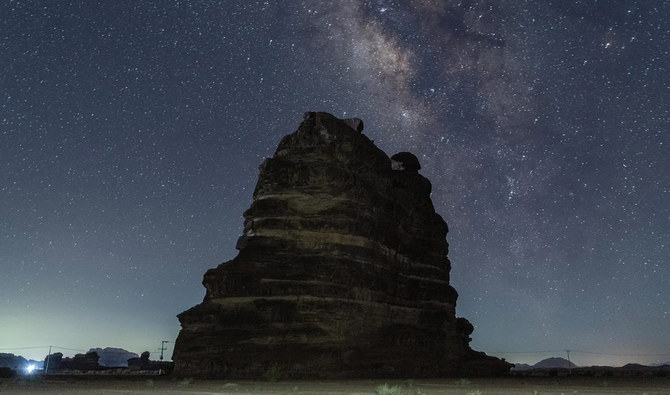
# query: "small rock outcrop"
[[342, 271], [405, 161], [82, 362]]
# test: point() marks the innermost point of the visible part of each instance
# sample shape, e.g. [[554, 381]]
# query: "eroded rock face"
[[342, 271]]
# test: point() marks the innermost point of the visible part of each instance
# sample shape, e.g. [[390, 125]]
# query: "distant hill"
[[14, 362], [17, 362], [554, 363], [113, 357], [549, 363], [634, 366], [552, 367]]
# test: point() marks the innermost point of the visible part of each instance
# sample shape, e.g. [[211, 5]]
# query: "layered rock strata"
[[342, 271]]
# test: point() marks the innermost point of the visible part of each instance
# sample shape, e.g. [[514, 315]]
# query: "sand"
[[168, 385]]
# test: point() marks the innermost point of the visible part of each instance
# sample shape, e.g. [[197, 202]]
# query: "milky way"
[[131, 134]]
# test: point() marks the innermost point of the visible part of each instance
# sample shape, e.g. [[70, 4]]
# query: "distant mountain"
[[17, 362], [554, 363], [549, 363], [661, 364], [14, 362], [113, 357]]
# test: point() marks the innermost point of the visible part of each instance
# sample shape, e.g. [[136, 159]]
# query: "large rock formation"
[[113, 357], [84, 362], [342, 271]]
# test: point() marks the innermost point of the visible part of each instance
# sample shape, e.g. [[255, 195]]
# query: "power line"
[[66, 348], [22, 348], [69, 349], [36, 347]]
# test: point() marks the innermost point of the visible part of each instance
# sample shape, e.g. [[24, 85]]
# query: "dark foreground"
[[475, 386]]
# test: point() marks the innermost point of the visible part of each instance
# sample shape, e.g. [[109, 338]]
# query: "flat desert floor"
[[475, 386]]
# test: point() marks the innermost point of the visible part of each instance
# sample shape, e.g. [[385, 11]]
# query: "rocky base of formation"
[[341, 272]]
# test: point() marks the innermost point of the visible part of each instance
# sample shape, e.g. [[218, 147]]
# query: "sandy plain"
[[477, 386]]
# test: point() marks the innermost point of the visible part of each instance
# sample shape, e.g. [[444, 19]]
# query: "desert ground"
[[475, 386]]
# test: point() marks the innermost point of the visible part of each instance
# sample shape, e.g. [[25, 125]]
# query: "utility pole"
[[46, 365], [569, 363], [163, 348]]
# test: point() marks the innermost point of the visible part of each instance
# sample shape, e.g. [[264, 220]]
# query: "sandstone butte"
[[342, 272]]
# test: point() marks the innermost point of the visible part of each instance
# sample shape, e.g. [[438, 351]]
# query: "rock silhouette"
[[113, 357], [342, 271], [84, 362]]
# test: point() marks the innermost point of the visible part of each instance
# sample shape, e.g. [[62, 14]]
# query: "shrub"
[[7, 373], [274, 373], [385, 389]]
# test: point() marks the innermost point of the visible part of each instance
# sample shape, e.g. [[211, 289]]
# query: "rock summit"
[[342, 272]]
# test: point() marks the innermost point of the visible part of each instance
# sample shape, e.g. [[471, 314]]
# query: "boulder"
[[406, 161]]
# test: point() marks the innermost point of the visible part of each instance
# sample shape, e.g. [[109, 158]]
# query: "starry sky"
[[131, 134]]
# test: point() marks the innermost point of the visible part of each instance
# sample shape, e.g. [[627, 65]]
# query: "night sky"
[[131, 133]]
